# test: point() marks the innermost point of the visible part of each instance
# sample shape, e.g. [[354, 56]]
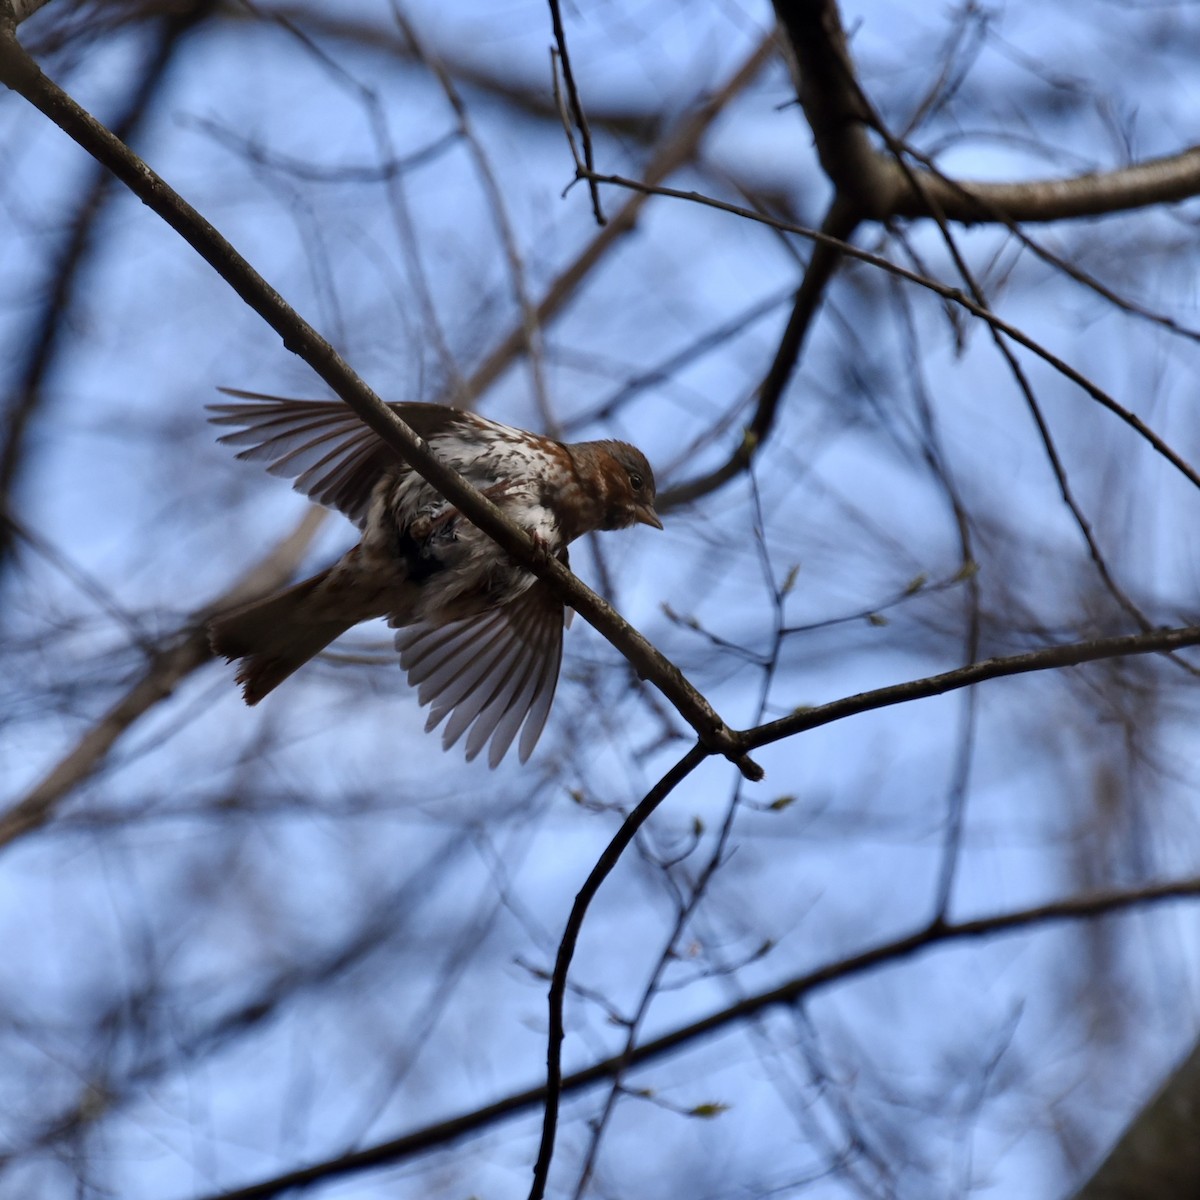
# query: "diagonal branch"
[[837, 228], [23, 75], [675, 152], [895, 950], [170, 663], [42, 343], [955, 295], [1074, 654]]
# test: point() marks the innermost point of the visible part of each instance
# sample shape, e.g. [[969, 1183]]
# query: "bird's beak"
[[645, 515]]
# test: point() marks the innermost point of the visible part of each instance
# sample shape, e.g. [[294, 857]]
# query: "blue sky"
[[393, 905]]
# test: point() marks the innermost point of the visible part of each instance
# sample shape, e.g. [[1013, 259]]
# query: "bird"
[[478, 634]]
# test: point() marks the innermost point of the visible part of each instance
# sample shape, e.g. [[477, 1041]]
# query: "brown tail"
[[275, 636]]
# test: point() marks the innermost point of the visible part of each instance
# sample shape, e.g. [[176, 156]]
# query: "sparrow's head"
[[628, 486]]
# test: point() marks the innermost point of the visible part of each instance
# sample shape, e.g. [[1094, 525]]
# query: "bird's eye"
[[636, 481]]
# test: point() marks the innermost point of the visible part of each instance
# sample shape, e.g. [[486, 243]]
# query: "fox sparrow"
[[479, 634]]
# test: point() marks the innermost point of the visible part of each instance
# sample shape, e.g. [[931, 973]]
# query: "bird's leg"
[[426, 525], [540, 543]]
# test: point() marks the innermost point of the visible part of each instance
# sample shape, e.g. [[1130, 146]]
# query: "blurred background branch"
[[241, 942]]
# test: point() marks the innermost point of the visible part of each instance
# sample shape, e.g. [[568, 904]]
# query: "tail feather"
[[276, 636]]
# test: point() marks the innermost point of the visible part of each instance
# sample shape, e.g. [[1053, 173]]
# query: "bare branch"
[[43, 341], [504, 229], [1165, 180], [833, 105], [22, 74], [677, 150], [955, 295], [840, 115], [1157, 641], [1087, 907], [577, 113], [174, 659], [483, 75], [566, 951], [837, 228]]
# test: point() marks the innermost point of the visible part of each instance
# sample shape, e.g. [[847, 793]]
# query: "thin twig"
[[453, 383], [1050, 658], [895, 950], [956, 801], [837, 227], [504, 228], [955, 295], [585, 134], [566, 950], [171, 661], [676, 150]]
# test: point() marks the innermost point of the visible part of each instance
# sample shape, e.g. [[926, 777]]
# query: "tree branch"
[[840, 115], [954, 295], [492, 75], [677, 150], [1165, 180], [52, 314], [566, 951], [171, 662], [837, 229], [1100, 903], [1157, 641], [577, 113], [834, 108], [23, 75]]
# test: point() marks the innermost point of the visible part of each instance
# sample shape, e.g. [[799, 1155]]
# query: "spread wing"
[[334, 458], [491, 673]]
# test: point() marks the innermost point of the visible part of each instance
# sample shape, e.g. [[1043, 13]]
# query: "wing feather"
[[333, 458], [517, 710], [492, 674], [496, 696], [508, 702], [429, 656], [466, 674]]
